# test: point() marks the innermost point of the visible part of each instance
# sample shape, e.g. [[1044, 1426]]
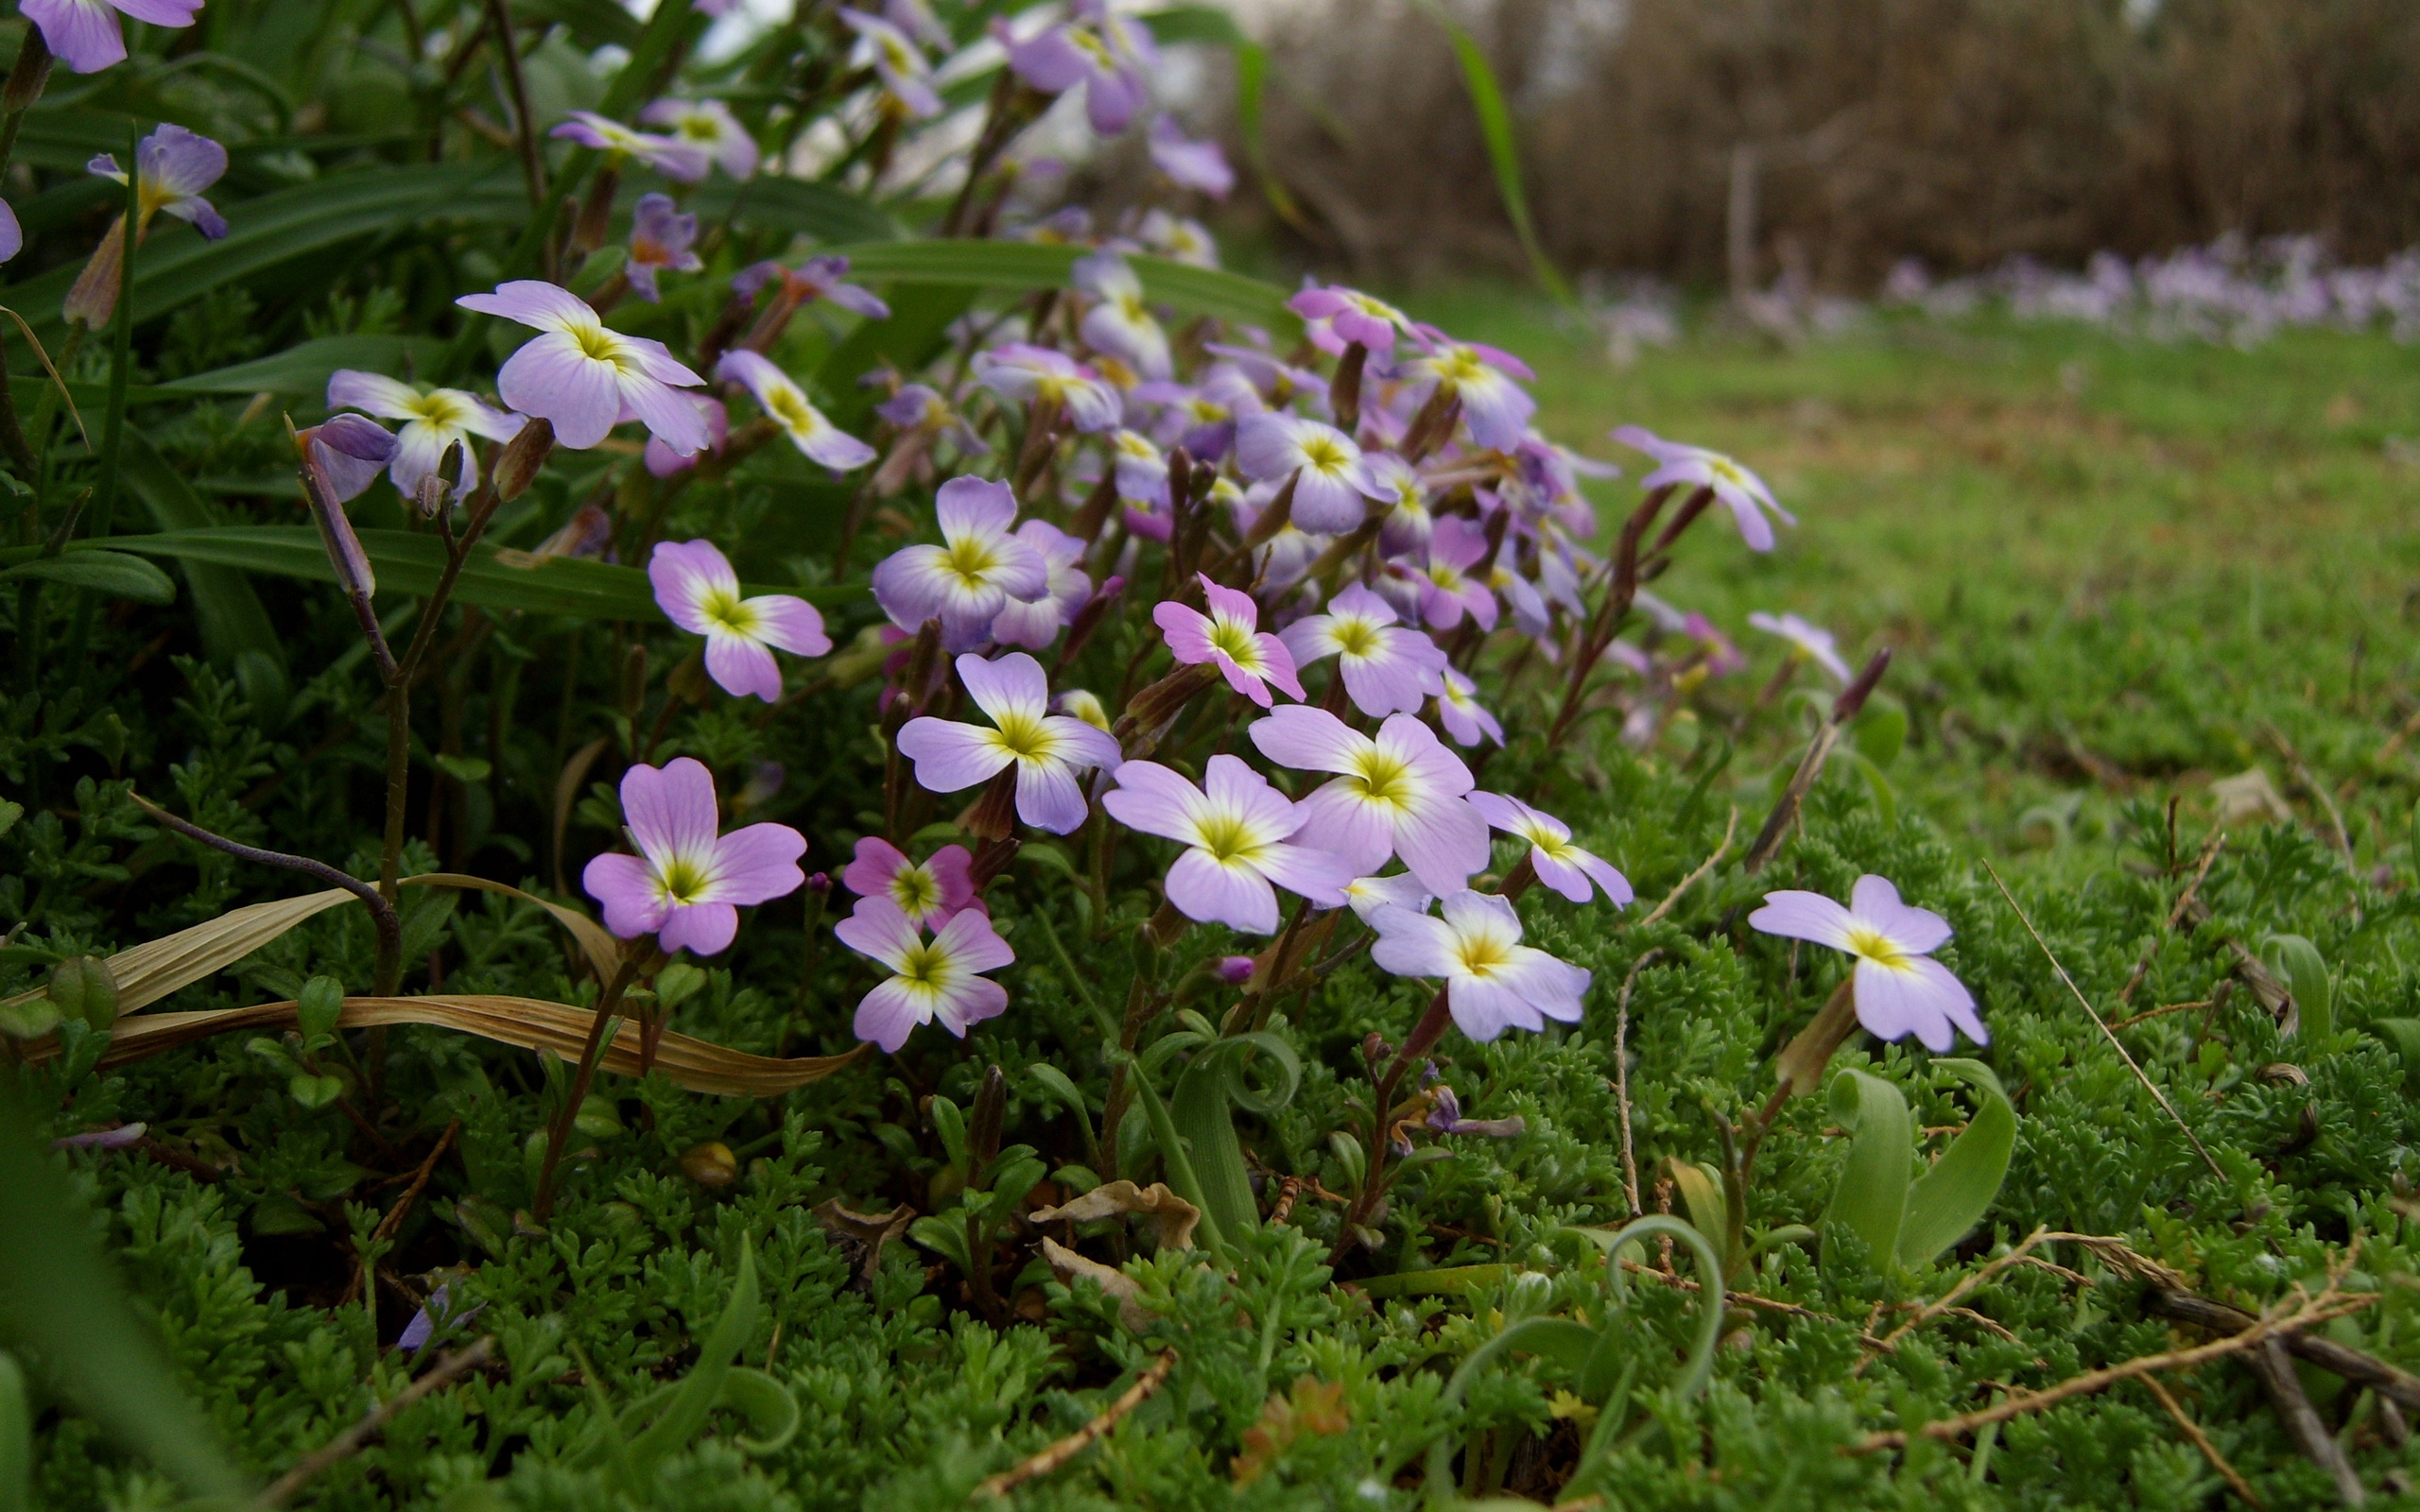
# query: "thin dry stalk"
[[1948, 1301], [394, 1222], [1621, 1073], [2201, 1441], [1082, 1439], [2302, 773], [1695, 877], [2163, 1008], [1764, 1304], [2303, 1425], [2175, 915], [443, 1374]]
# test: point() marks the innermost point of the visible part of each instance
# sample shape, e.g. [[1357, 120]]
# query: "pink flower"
[[1110, 63], [1464, 719], [85, 33], [1388, 668], [1493, 981], [927, 892], [686, 882], [684, 161], [1021, 373], [586, 379], [936, 981], [1447, 589], [1048, 750], [709, 125], [1740, 490], [1229, 635], [818, 278], [1561, 866], [1900, 989], [696, 589], [1400, 794], [1190, 164], [965, 581], [786, 405], [1236, 828], [1036, 623], [661, 239], [1810, 641], [1330, 480]]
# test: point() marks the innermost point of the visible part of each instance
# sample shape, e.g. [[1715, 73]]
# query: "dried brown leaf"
[[154, 969], [1069, 1266], [1173, 1217]]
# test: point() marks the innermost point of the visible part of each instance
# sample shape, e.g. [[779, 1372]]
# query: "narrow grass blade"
[[111, 573], [1503, 150]]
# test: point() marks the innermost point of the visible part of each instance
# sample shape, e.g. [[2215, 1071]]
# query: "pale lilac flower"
[[1229, 637], [85, 34], [1521, 595], [1278, 382], [1120, 324], [1900, 989], [1493, 981], [1445, 1117], [1464, 719], [1388, 667], [1021, 373], [346, 455], [935, 981], [684, 161], [901, 66], [1740, 490], [102, 1139], [432, 423], [1111, 65], [965, 581], [786, 405], [661, 238], [1338, 315], [1048, 750], [1721, 656], [1400, 794], [1494, 406], [1142, 468], [1331, 481], [664, 462], [916, 18], [1079, 703], [1399, 889], [1037, 622], [697, 591], [1447, 590], [686, 882], [920, 409], [172, 168], [423, 1324], [1178, 238], [1810, 641], [818, 278], [1238, 829], [1190, 164], [12, 236], [1561, 866], [586, 379], [709, 126], [1408, 524], [926, 891]]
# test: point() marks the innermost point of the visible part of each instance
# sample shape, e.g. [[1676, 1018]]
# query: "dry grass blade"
[[599, 947], [531, 1023], [1949, 1299], [1729, 831], [1082, 1439], [154, 969], [443, 1374], [2201, 1441]]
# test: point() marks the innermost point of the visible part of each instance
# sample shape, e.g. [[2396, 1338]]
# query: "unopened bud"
[[1344, 391], [994, 815], [634, 679], [1274, 518], [82, 989], [711, 1164], [522, 456], [1852, 698], [1234, 969], [32, 72]]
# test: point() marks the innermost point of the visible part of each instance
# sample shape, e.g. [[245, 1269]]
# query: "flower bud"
[[1852, 698], [1234, 969], [522, 456], [1344, 389], [32, 72], [711, 1164], [82, 989]]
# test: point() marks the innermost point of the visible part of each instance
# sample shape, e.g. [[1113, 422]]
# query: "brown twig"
[[1768, 1304], [2102, 1025], [1036, 1466], [391, 1224], [2163, 1008], [1948, 1302], [2361, 1369], [2201, 1441], [2175, 915], [2303, 1425], [444, 1373], [1693, 878], [2302, 773], [1621, 1073]]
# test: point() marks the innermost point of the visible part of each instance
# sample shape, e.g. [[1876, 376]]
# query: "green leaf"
[[1871, 1199], [2296, 961], [1951, 1198], [112, 573], [60, 1302], [593, 22], [2402, 1036], [1200, 1109], [1882, 729], [921, 316], [1701, 1193], [301, 370], [1503, 151], [808, 207], [684, 1417], [16, 1440], [1035, 265], [226, 609]]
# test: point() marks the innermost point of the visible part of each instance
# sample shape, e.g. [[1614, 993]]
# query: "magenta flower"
[[965, 581], [1036, 623], [1021, 373], [1494, 406], [686, 882], [1228, 636], [1340, 315], [1331, 481], [1190, 164], [935, 981], [1464, 719], [1109, 64], [1493, 981], [1400, 794], [927, 892], [85, 33], [586, 379], [709, 126], [1237, 828], [1048, 750], [684, 161], [1810, 641], [899, 65], [12, 236], [1561, 866], [661, 238], [1900, 989], [1741, 491], [663, 461], [433, 424], [1447, 590], [1388, 667], [1120, 322], [818, 278], [172, 167], [699, 592], [786, 405]]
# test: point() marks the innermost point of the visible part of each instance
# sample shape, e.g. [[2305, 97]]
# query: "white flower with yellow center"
[[1493, 982], [432, 422], [1900, 989], [1400, 793], [965, 581], [1048, 750], [786, 405], [697, 591], [1239, 831]]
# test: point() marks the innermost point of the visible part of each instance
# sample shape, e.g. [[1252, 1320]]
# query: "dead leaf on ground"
[[2250, 797], [1173, 1217], [862, 1235], [1069, 1267]]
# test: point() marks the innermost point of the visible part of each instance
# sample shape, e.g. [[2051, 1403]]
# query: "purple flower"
[[12, 236], [1810, 641], [423, 1325], [1408, 524], [927, 892], [1459, 712], [1561, 866], [818, 278], [1900, 989], [699, 592], [1340, 315], [664, 462], [346, 455], [1036, 623], [1048, 750], [918, 408], [686, 882], [660, 238], [965, 581], [172, 167], [1110, 63], [1228, 636], [1234, 969], [433, 424], [786, 405], [1446, 590], [1400, 890], [1021, 373], [1493, 981], [1179, 238], [1331, 481], [1400, 794], [1740, 490], [935, 981], [1494, 406], [1142, 468], [1445, 1117], [1190, 164], [1388, 668], [85, 33], [1237, 828], [897, 62], [1120, 323], [709, 126], [586, 379], [684, 162]]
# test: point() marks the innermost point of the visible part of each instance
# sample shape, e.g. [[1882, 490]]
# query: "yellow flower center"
[[439, 409], [914, 890], [790, 408], [1322, 455], [971, 559], [1234, 640], [600, 345], [682, 880], [1356, 637], [1725, 469], [925, 965], [1383, 779], [1227, 838], [1022, 735], [1482, 955], [1873, 945], [726, 611]]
